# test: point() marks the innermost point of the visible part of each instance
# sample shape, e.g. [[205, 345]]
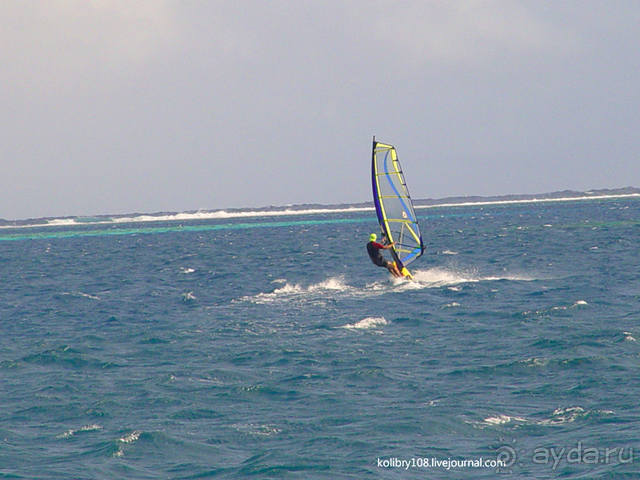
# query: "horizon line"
[[288, 211]]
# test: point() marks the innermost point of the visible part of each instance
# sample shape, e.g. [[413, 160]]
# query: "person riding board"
[[374, 249]]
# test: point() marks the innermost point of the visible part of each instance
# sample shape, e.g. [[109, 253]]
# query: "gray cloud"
[[143, 106]]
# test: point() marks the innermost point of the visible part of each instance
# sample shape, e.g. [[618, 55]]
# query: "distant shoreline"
[[308, 209]]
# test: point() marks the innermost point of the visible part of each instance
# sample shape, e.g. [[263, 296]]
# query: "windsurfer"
[[374, 249]]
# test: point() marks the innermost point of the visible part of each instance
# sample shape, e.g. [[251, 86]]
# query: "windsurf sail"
[[394, 207]]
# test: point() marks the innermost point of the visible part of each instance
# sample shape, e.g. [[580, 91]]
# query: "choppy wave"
[[101, 357]]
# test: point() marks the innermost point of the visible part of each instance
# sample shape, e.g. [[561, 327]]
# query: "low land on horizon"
[[369, 204]]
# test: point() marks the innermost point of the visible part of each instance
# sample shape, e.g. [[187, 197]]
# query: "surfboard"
[[394, 207]]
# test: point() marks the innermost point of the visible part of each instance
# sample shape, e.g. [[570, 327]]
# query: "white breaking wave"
[[258, 430], [82, 294], [188, 297], [437, 277], [223, 214], [86, 428], [60, 222], [441, 277], [125, 440], [330, 288], [560, 416], [188, 216], [534, 362], [451, 305], [564, 415], [579, 303], [337, 286], [367, 323], [531, 200], [292, 291], [502, 419], [130, 438]]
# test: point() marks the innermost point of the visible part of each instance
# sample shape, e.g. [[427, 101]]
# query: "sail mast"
[[394, 207]]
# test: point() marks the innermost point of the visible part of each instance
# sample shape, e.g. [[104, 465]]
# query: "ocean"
[[267, 345]]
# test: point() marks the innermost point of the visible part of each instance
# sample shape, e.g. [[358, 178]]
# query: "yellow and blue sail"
[[394, 207]]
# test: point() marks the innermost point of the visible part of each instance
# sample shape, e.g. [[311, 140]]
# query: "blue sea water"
[[273, 348]]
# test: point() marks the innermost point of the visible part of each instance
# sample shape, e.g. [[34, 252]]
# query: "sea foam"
[[367, 323]]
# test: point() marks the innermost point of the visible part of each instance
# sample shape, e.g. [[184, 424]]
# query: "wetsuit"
[[374, 249]]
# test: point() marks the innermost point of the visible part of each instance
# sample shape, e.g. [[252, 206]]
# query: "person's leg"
[[393, 269], [397, 270]]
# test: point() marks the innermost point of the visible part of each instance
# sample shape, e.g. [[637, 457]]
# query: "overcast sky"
[[145, 106]]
